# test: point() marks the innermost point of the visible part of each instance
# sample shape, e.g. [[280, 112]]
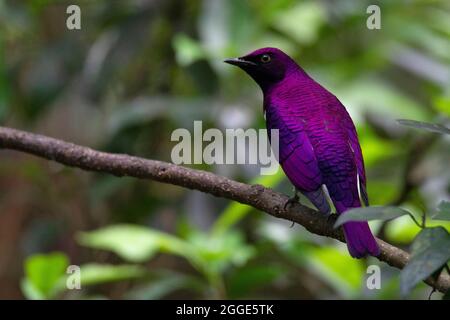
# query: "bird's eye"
[[265, 58]]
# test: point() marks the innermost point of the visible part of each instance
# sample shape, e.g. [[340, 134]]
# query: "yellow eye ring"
[[265, 58]]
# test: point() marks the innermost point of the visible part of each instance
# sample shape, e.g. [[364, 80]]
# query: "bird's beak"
[[240, 62]]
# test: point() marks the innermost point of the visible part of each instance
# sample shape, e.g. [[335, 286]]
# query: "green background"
[[136, 71]]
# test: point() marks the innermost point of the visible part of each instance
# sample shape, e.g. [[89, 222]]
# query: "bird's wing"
[[296, 154], [357, 154]]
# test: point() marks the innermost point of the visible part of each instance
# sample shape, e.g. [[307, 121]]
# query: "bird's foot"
[[331, 218], [291, 201]]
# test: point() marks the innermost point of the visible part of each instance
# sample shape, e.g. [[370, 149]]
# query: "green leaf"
[[218, 252], [429, 238], [208, 254], [429, 252], [43, 273], [133, 243], [370, 213], [95, 273], [443, 211], [433, 127]]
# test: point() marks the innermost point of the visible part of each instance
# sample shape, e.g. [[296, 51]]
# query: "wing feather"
[[296, 154]]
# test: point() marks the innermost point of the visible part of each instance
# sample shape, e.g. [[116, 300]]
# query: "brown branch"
[[256, 196]]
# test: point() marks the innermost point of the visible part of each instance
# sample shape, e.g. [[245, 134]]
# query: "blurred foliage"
[[139, 69], [44, 275], [47, 276], [209, 255], [430, 250]]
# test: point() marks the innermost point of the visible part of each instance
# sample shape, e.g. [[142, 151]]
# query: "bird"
[[319, 150]]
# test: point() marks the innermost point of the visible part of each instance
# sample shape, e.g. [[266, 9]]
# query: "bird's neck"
[[299, 79], [267, 84], [293, 86]]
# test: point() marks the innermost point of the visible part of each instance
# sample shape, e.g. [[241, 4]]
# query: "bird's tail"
[[359, 238], [360, 241]]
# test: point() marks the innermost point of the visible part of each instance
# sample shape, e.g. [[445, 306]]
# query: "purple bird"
[[318, 143]]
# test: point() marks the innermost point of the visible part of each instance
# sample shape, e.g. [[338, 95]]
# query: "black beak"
[[239, 62]]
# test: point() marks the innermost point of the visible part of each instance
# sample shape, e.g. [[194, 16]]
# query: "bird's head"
[[267, 66]]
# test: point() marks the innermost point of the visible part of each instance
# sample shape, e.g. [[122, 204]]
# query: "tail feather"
[[360, 241], [319, 199], [359, 238]]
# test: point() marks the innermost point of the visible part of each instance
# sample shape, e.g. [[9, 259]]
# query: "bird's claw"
[[291, 201], [331, 218]]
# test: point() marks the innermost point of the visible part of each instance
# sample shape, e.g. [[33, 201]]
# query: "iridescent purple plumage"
[[318, 141]]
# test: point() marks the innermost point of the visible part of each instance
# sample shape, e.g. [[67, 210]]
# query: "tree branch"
[[256, 196]]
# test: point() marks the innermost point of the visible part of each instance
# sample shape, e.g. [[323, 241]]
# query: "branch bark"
[[256, 196]]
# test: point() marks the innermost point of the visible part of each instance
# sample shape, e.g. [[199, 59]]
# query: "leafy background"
[[139, 69]]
